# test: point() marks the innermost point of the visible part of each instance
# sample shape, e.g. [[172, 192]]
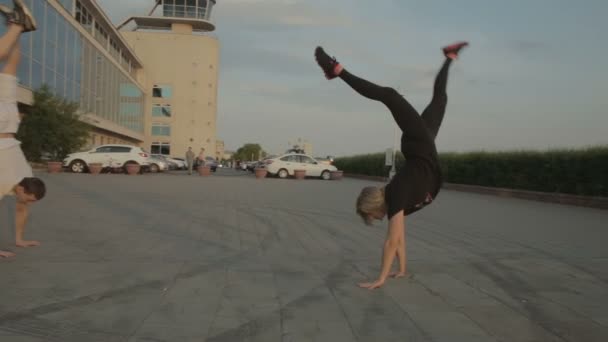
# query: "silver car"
[[157, 164]]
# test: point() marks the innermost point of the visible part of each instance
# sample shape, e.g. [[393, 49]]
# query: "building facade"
[[81, 57], [154, 85], [219, 150]]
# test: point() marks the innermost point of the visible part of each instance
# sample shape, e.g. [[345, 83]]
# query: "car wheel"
[[283, 173], [325, 175], [78, 166], [154, 168]]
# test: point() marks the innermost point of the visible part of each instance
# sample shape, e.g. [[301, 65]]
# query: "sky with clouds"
[[534, 76]]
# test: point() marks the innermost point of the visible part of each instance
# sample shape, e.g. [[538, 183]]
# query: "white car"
[[157, 163], [284, 166], [181, 163], [107, 155]]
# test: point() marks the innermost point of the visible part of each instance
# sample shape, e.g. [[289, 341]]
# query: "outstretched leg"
[[434, 112], [12, 61], [8, 40], [405, 115]]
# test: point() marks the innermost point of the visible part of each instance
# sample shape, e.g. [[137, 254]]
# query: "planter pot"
[[299, 174], [336, 175], [133, 169], [260, 173], [54, 166], [204, 170], [95, 168]]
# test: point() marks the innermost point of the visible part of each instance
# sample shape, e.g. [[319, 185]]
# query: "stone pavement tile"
[[453, 290], [291, 286], [250, 285], [74, 283], [188, 300], [120, 313], [508, 325], [194, 331], [432, 314], [15, 300], [265, 327], [372, 314], [20, 338], [516, 290], [315, 315], [93, 337], [593, 308], [38, 329]]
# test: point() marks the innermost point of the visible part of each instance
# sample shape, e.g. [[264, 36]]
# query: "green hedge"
[[581, 172]]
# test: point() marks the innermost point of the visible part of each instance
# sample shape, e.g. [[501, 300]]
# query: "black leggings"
[[416, 128]]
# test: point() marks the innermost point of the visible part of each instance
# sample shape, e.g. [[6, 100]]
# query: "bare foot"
[[26, 243], [399, 275], [5, 254]]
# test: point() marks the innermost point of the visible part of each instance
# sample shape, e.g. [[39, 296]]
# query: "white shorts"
[[13, 168]]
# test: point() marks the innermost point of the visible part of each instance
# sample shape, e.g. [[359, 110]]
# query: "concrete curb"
[[567, 199]]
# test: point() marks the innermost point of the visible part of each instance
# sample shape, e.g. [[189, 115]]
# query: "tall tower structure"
[[181, 62]]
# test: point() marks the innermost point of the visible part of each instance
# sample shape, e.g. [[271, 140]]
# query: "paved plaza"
[[172, 257]]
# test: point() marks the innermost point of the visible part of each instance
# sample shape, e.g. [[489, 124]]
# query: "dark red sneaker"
[[330, 66], [451, 51]]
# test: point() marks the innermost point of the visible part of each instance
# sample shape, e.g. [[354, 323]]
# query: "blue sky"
[[534, 76]]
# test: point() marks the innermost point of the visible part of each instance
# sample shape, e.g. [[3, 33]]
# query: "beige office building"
[[181, 60]]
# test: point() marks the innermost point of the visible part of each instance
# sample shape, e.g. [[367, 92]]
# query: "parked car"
[[107, 156], [171, 164], [181, 163], [327, 160], [209, 161], [284, 166], [157, 163]]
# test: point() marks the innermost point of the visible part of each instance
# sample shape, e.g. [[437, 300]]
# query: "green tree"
[[51, 128], [249, 151]]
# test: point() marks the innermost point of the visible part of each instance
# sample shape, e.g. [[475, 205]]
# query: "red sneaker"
[[451, 51]]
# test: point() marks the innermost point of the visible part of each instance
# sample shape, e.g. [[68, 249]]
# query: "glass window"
[[60, 86], [162, 91], [103, 149], [160, 148], [83, 16], [61, 48], [49, 78], [77, 93], [36, 75], [38, 44], [39, 9], [23, 72], [49, 55], [180, 11], [120, 149], [25, 41], [78, 61], [51, 25], [101, 35], [168, 9], [307, 160], [202, 8], [67, 4], [159, 129], [161, 111], [292, 159]]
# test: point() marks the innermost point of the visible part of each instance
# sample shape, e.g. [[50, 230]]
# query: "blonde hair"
[[370, 200]]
